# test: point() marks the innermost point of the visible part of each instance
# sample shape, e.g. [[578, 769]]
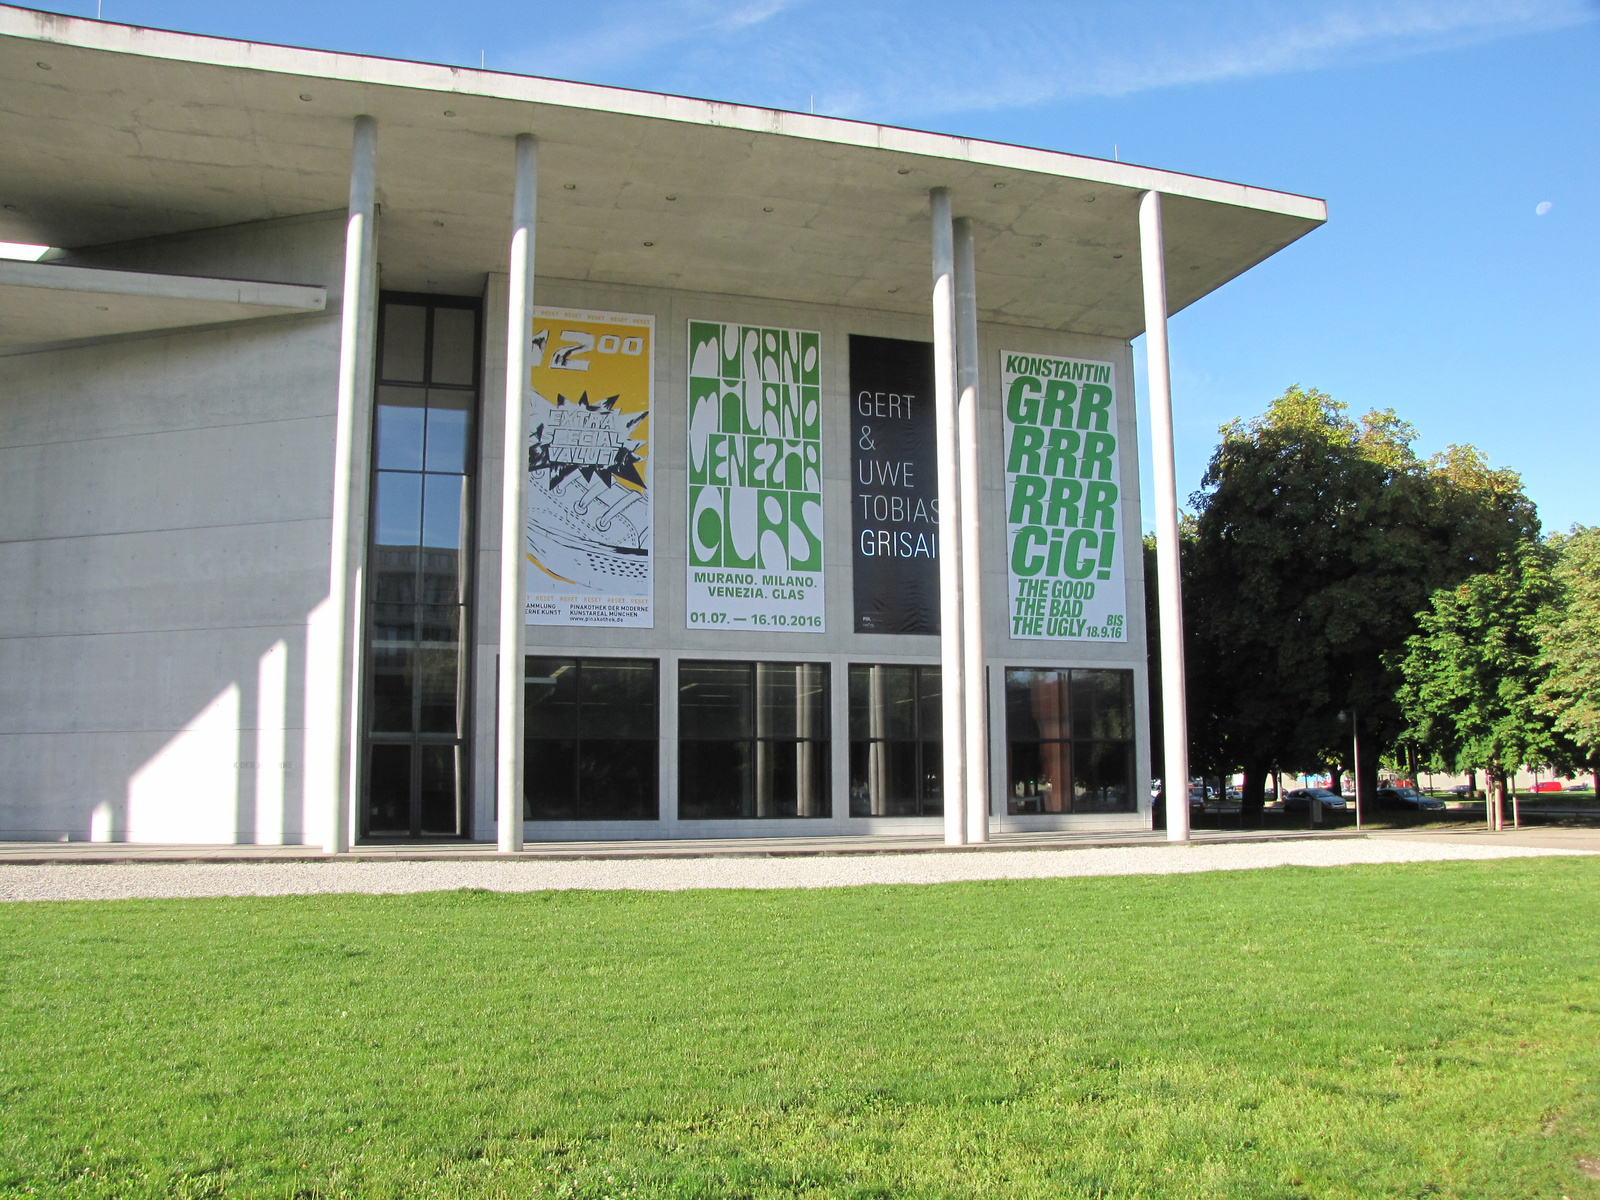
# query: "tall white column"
[[951, 658], [1174, 708], [513, 502], [352, 419], [974, 670]]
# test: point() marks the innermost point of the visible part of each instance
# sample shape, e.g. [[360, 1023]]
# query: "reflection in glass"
[[896, 752], [441, 783], [753, 740], [397, 515], [1070, 740], [454, 351], [591, 739], [448, 414], [400, 425], [393, 669], [404, 328], [418, 565], [444, 512]]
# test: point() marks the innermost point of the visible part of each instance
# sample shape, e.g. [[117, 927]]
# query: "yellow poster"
[[589, 495]]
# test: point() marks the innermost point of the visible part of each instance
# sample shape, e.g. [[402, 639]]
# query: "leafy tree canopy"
[[1473, 671], [1570, 639], [1318, 540]]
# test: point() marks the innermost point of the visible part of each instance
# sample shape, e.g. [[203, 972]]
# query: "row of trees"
[[1338, 585]]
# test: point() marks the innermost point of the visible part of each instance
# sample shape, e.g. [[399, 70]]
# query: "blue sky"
[[1437, 130]]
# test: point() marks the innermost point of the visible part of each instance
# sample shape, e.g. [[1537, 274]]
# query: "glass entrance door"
[[419, 610]]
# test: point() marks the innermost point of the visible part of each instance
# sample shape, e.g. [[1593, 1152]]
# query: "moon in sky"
[[1542, 207]]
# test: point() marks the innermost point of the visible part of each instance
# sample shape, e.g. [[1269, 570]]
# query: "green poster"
[[1064, 527], [755, 478]]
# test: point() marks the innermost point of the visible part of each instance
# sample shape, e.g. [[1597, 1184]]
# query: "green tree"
[[1474, 670], [1318, 540], [1570, 641]]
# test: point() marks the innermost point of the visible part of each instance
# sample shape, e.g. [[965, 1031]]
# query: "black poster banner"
[[893, 486]]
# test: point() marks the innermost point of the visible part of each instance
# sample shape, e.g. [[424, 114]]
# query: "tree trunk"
[[1255, 794], [1335, 778], [1367, 779], [1494, 798], [1472, 782]]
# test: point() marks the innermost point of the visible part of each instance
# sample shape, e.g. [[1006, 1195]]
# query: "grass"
[[1410, 1031]]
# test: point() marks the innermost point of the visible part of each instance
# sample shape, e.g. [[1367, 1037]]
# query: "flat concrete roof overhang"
[[47, 303], [110, 133]]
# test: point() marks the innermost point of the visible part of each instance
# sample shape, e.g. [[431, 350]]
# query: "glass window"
[[1069, 737], [404, 337], [753, 740], [421, 545], [592, 739], [896, 741]]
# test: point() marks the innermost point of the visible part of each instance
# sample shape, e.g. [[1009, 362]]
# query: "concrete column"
[[1174, 705], [351, 442], [513, 501], [974, 669], [951, 658]]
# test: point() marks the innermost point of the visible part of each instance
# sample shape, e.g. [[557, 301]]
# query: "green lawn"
[[1413, 1031]]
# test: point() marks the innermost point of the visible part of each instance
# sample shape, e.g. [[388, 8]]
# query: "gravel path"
[[81, 881]]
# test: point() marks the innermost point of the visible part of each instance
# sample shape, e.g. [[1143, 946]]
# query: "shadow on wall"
[[237, 771]]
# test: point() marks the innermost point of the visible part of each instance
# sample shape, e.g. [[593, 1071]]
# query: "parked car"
[[1300, 799], [1407, 798], [1580, 787]]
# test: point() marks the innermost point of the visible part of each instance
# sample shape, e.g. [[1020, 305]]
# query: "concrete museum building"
[[823, 512]]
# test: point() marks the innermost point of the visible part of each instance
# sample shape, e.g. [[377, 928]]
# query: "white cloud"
[[890, 61]]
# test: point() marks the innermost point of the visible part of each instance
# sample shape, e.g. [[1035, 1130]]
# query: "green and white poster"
[[1064, 527], [755, 478]]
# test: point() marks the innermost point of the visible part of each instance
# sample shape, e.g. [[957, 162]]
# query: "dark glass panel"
[[1036, 704], [885, 779], [404, 328], [394, 574], [932, 779], [550, 697], [400, 424], [393, 624], [619, 698], [441, 624], [454, 336], [1102, 777], [883, 702], [714, 700], [714, 780], [438, 677], [442, 579], [1040, 782], [393, 671], [442, 779], [444, 512], [930, 702], [397, 509], [389, 789], [1102, 704], [449, 419], [791, 700], [617, 779], [790, 780], [550, 779]]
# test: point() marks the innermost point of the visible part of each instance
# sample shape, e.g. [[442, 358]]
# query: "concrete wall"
[[672, 639], [164, 512]]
